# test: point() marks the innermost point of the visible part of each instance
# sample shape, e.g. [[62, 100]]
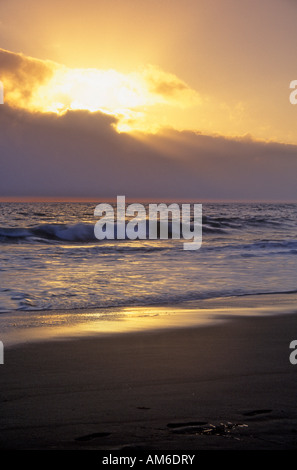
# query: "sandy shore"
[[223, 386]]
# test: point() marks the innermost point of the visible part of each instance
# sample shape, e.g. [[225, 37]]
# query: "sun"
[[94, 90]]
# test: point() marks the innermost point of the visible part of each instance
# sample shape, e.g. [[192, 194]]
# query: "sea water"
[[51, 260]]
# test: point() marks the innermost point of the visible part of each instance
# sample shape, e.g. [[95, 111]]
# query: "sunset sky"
[[150, 99]]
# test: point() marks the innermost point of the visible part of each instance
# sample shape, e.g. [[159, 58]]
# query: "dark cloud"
[[21, 74], [80, 154], [167, 87]]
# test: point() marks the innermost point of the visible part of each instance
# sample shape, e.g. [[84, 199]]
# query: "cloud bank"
[[80, 154]]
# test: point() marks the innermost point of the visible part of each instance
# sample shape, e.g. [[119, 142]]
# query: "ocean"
[[50, 258]]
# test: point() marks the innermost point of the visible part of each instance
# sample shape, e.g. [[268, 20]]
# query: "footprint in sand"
[[256, 412], [187, 424], [90, 437]]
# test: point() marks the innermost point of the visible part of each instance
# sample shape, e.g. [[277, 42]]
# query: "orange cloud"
[[21, 75]]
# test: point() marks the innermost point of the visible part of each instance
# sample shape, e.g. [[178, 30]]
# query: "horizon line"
[[28, 199]]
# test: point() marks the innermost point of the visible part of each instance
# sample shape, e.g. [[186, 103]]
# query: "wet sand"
[[229, 385]]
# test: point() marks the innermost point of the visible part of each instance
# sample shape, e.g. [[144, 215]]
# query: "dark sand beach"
[[227, 385]]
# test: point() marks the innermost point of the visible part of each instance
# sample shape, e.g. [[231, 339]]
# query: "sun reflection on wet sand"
[[61, 325]]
